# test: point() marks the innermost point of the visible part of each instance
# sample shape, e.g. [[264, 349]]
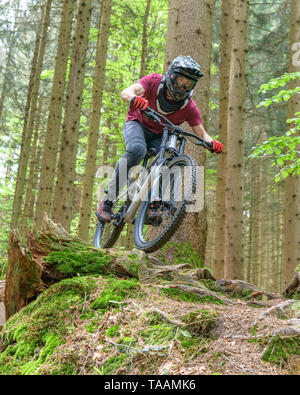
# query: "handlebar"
[[155, 116]]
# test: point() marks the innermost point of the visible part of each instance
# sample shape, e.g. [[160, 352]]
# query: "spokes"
[[172, 191]]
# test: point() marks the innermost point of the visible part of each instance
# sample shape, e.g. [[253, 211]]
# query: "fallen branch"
[[167, 318]]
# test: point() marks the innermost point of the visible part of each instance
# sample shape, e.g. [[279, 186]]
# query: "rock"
[[284, 310], [241, 289], [237, 287], [290, 331], [295, 322]]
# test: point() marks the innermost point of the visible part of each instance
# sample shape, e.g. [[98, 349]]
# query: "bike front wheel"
[[177, 187], [107, 234]]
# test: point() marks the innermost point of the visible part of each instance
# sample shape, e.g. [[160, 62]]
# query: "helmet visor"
[[183, 84]]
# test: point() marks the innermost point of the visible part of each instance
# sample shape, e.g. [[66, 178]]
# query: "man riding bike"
[[170, 95]]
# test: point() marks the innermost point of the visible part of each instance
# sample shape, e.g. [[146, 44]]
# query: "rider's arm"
[[133, 90], [201, 132]]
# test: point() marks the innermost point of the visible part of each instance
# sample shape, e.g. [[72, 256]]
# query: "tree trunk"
[[144, 40], [64, 190], [94, 120], [234, 176], [49, 158], [292, 183], [226, 42], [28, 211], [28, 130], [191, 34]]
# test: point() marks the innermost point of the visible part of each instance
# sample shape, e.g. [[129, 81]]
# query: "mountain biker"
[[170, 95]]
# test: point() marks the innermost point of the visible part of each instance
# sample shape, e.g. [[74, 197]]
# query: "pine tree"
[[52, 139], [191, 34], [226, 42], [234, 158], [292, 183], [94, 120], [64, 190], [28, 129]]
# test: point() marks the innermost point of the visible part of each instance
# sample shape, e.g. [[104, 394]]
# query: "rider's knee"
[[135, 154]]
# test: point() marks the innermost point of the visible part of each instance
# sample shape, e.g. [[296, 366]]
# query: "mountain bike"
[[167, 179]]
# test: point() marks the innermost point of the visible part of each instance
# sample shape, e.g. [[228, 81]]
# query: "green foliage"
[[283, 149]]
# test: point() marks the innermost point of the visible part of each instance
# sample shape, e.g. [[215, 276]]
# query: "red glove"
[[139, 102], [217, 146]]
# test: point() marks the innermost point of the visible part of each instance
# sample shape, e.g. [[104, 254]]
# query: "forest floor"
[[160, 319], [232, 347]]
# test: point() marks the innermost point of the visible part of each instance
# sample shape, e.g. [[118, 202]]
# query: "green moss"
[[112, 331], [189, 297], [200, 321], [78, 259], [31, 335], [158, 334], [115, 291], [176, 253], [180, 295], [113, 363], [280, 349]]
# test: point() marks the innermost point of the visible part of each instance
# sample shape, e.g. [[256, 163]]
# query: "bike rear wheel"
[[177, 189]]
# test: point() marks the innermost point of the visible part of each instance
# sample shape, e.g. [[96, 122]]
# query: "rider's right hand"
[[217, 147], [139, 102]]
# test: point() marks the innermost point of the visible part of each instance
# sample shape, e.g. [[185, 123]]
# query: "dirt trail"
[[230, 349]]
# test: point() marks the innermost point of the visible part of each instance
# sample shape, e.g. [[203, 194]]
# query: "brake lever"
[[206, 145], [149, 113]]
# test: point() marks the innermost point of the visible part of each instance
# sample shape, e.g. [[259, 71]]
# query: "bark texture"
[[226, 42], [292, 184], [64, 191], [234, 170], [52, 139], [94, 120], [196, 41], [28, 129]]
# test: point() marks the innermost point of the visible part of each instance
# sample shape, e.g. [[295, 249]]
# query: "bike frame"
[[171, 135]]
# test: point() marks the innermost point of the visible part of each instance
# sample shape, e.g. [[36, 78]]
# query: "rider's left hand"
[[217, 146]]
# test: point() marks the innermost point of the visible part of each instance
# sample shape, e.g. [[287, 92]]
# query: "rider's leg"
[[136, 148]]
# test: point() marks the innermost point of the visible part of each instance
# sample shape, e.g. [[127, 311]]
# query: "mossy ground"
[[31, 336], [279, 349], [92, 324], [76, 258]]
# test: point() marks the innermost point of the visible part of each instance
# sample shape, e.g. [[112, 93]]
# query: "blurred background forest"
[[54, 138]]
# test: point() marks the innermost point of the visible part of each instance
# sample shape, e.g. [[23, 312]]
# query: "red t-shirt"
[[150, 83]]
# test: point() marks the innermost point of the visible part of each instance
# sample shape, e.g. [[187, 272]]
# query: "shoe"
[[104, 211], [154, 216]]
